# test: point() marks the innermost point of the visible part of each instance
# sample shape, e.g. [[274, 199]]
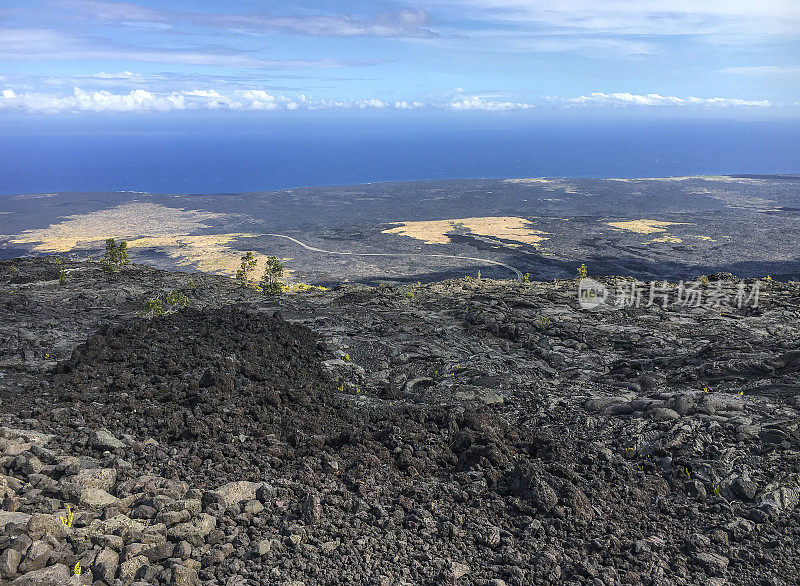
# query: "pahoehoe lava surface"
[[368, 436]]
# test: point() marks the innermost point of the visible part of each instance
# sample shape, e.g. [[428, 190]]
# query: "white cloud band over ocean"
[[140, 100]]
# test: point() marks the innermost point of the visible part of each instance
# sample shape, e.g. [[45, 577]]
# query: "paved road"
[[399, 254]]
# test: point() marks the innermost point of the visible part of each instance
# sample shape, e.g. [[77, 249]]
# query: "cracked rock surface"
[[464, 432]]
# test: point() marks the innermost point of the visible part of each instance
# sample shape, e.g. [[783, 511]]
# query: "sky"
[[708, 57]]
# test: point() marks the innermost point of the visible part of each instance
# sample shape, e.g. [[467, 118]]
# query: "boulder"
[[194, 531], [56, 575], [103, 439]]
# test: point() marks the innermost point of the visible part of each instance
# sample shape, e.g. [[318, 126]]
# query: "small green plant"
[[273, 273], [526, 278], [582, 271], [714, 489], [704, 280], [154, 307], [157, 307], [544, 323], [479, 274], [177, 299], [247, 266], [301, 287], [116, 255], [14, 269], [62, 273], [409, 295], [467, 278], [687, 473], [67, 520], [346, 357], [77, 569]]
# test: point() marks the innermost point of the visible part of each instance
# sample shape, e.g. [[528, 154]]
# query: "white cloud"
[[121, 75], [114, 11], [628, 99], [140, 100], [776, 70], [479, 103], [404, 105], [404, 23], [26, 44], [642, 17]]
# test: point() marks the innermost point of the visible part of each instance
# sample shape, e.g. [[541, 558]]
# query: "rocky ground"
[[464, 432]]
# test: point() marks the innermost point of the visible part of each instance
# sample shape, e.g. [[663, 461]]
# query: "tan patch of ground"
[[127, 221], [643, 226], [706, 238], [667, 238], [146, 226], [436, 231], [208, 253]]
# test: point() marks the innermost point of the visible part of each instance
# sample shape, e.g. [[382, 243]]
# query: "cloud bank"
[[140, 100], [627, 99]]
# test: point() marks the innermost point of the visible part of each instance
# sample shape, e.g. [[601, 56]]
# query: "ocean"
[[227, 152]]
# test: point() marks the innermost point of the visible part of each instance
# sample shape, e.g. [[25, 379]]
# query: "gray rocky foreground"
[[470, 432]]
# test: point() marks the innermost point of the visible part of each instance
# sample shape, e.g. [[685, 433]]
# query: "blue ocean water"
[[232, 153]]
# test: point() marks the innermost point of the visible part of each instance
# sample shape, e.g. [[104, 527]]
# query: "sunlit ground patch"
[[127, 221], [644, 226], [145, 226], [514, 229]]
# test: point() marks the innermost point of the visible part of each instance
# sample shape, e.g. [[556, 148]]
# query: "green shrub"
[[246, 267], [582, 271], [62, 273], [153, 307], [174, 300], [273, 273], [116, 256], [177, 299]]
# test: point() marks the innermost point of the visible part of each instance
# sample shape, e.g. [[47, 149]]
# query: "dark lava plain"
[[746, 225], [477, 432]]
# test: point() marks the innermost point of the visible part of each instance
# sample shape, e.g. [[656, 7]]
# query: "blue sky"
[[706, 56]]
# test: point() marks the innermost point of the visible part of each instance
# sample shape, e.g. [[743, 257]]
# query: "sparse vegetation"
[[273, 273], [704, 280], [153, 307], [544, 323], [116, 255], [301, 287], [62, 273], [582, 272], [69, 518], [174, 300], [526, 278], [247, 266]]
